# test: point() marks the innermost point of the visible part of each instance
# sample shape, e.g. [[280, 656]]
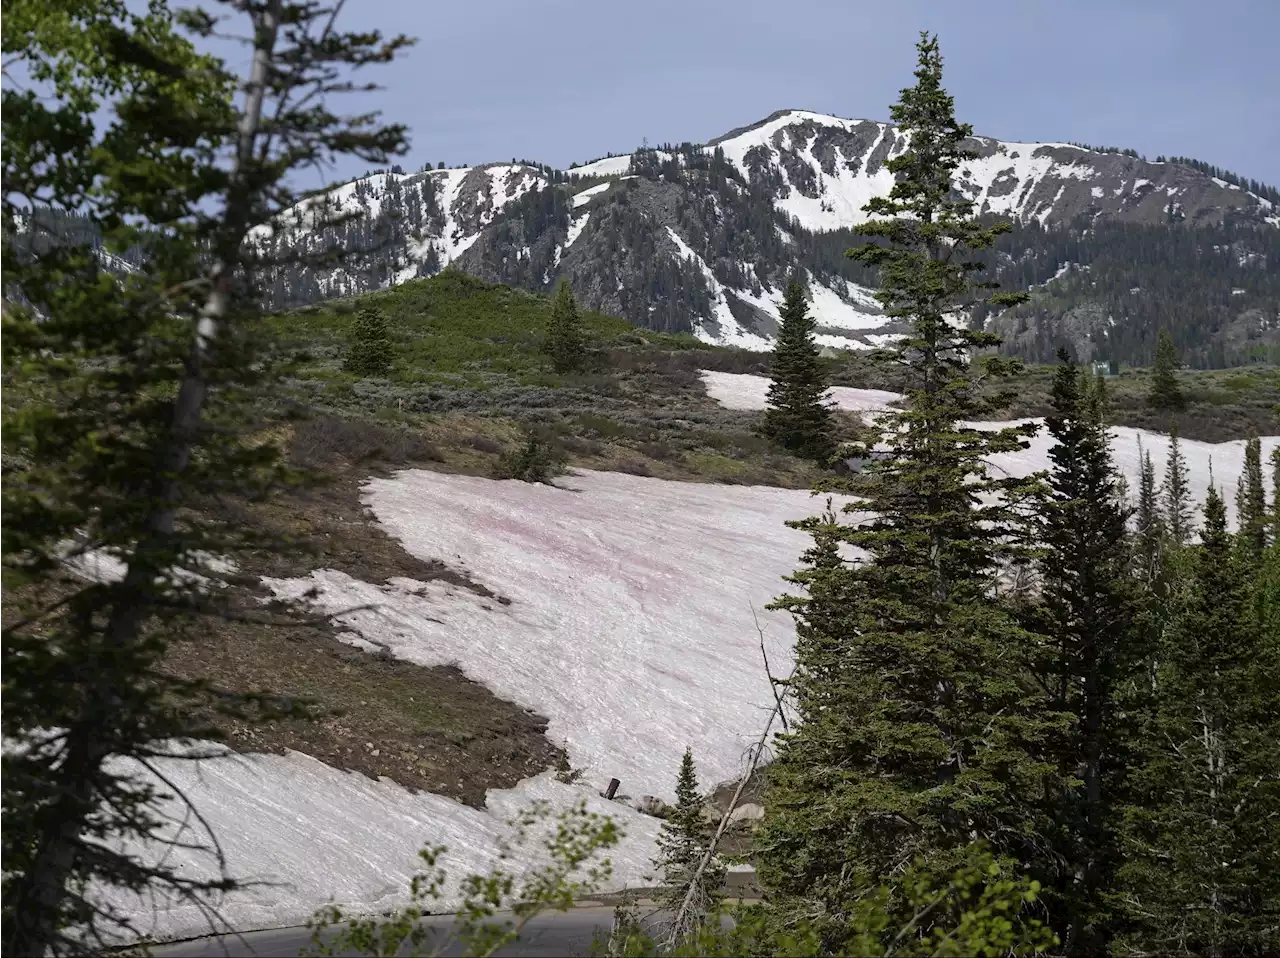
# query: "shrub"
[[536, 461], [323, 440], [370, 352]]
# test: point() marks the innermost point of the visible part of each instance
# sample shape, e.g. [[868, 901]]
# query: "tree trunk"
[[86, 750]]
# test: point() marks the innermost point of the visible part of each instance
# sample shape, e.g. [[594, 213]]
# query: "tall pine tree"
[[1251, 499], [797, 416], [566, 342], [930, 735], [1275, 495], [136, 395], [1165, 392], [1179, 513], [1089, 613], [1149, 532]]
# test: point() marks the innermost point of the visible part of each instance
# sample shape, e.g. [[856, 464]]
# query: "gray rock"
[[750, 812]]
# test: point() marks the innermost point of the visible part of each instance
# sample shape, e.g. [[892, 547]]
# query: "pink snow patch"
[[630, 617]]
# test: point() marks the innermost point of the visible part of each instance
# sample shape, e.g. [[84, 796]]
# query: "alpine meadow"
[[838, 537]]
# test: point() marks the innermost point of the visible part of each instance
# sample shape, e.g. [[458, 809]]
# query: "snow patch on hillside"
[[319, 834], [832, 310], [609, 166], [843, 194], [730, 331], [1020, 162], [736, 391], [1223, 460], [581, 199], [575, 228], [630, 617]]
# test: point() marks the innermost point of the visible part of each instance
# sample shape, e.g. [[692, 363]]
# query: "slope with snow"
[[629, 621], [311, 834], [460, 203], [832, 166], [726, 330], [738, 391], [1223, 461], [628, 616]]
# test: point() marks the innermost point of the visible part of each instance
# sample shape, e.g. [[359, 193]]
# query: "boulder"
[[750, 812]]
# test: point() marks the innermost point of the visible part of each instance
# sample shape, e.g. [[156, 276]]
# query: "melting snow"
[[1225, 460], [844, 193], [831, 310], [629, 625], [319, 834], [736, 391], [581, 199], [630, 617], [576, 227], [731, 332]]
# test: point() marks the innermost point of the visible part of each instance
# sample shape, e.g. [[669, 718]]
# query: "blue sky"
[[565, 80]]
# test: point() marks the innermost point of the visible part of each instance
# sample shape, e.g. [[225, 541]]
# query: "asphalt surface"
[[561, 933]]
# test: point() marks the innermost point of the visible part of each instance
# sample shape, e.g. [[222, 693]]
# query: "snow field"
[[630, 617], [310, 834]]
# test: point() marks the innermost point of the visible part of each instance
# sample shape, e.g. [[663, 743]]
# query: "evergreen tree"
[[566, 341], [135, 394], [1179, 514], [683, 841], [797, 416], [1251, 499], [1089, 613], [1200, 840], [819, 643], [370, 352], [1150, 532], [1275, 496], [538, 459], [930, 734], [1165, 392]]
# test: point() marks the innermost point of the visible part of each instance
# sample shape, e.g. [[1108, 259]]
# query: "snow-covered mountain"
[[701, 238]]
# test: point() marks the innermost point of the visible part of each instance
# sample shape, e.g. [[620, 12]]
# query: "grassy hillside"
[[470, 380]]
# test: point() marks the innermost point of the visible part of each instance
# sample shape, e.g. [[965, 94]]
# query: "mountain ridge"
[[702, 237]]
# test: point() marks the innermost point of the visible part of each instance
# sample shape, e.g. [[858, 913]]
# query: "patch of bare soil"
[[429, 728]]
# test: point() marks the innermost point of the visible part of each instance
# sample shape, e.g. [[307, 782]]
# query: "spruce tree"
[[1165, 393], [1251, 499], [1275, 496], [797, 415], [136, 392], [370, 352], [1179, 513], [1200, 840], [930, 734], [566, 340], [1149, 533], [1089, 613], [683, 841]]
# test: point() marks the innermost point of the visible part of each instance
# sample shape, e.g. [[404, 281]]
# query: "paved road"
[[564, 934]]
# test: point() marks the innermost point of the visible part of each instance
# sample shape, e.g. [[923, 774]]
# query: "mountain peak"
[[676, 240]]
